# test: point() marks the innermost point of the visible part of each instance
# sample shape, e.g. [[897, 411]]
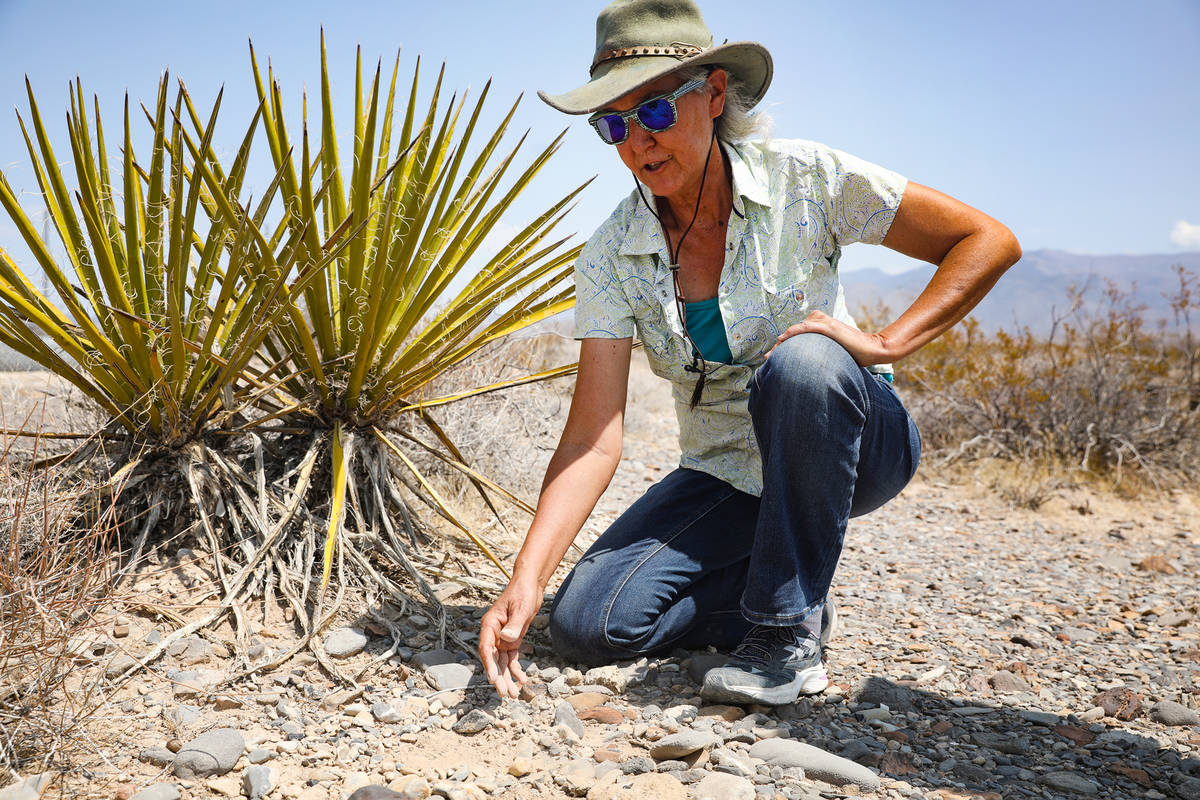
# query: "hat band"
[[677, 50]]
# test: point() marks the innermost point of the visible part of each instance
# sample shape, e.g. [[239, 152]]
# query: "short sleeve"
[[863, 197], [602, 311]]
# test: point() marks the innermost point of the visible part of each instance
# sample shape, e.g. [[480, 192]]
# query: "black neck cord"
[[699, 363]]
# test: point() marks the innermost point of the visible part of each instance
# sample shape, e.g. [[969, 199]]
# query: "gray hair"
[[737, 122]]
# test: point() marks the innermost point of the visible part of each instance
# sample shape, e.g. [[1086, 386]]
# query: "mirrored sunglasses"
[[655, 115]]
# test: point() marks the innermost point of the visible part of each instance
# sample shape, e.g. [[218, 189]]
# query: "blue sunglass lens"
[[612, 128], [657, 114]]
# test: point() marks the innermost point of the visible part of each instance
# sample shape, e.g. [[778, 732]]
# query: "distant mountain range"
[[1036, 287]]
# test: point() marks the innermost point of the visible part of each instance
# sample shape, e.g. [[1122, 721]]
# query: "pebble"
[[815, 762], [1069, 782], [684, 743], [473, 722], [564, 716], [1168, 712], [257, 781], [450, 676], [212, 753], [345, 642]]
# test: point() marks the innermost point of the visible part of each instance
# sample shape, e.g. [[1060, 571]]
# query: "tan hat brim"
[[748, 63]]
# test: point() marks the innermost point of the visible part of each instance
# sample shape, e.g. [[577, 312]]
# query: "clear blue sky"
[[1076, 123]]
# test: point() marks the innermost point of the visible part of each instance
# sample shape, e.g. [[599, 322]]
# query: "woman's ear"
[[718, 79]]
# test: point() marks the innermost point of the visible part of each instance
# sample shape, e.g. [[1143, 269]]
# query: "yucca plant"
[[161, 302], [406, 299], [313, 325]]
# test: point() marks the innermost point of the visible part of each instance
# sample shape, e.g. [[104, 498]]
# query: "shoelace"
[[760, 643]]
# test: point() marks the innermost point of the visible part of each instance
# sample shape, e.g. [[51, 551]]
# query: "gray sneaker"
[[772, 666]]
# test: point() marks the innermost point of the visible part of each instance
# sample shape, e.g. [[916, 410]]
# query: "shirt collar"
[[643, 235]]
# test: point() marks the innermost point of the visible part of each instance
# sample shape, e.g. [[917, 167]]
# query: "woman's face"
[[670, 162]]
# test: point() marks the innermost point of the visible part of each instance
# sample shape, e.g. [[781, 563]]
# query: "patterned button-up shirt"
[[796, 204]]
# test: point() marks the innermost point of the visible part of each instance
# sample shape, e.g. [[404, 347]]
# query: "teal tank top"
[[707, 330]]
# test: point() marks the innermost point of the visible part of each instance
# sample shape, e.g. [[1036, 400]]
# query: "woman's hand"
[[501, 632], [866, 348]]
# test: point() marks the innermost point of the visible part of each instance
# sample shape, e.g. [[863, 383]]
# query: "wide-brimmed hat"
[[639, 41]]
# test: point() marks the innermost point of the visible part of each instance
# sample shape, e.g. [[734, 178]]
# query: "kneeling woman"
[[724, 263]]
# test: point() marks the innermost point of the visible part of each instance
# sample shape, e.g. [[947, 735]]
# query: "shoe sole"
[[808, 681]]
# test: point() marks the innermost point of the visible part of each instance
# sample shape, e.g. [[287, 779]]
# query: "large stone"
[[212, 753], [473, 722], [880, 691], [679, 745], [564, 714], [433, 658], [258, 781], [159, 791], [378, 793], [345, 642], [1069, 782], [815, 762], [609, 676], [30, 788], [720, 786], [449, 677], [1168, 712], [575, 778]]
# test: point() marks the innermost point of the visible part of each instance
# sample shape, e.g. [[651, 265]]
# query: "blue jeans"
[[695, 562]]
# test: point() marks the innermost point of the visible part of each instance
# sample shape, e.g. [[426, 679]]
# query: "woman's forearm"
[[576, 477]]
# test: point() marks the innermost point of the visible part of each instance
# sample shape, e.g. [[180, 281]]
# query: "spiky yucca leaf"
[[158, 309], [398, 308]]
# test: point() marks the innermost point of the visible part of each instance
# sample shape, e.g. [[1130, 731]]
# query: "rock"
[[1168, 712], [606, 715], [1069, 782], [118, 665], [345, 642], [520, 767], [857, 750], [259, 755], [637, 765], [564, 715], [433, 658], [684, 743], [375, 792], [815, 762], [701, 663], [1157, 563], [1042, 718], [1000, 742], [727, 713], [609, 676], [720, 786], [258, 781], [880, 691], [158, 756], [212, 753], [159, 791], [30, 788], [473, 722], [1005, 681], [586, 700], [451, 676], [225, 787], [384, 712], [1122, 703], [575, 778], [1082, 737], [728, 762]]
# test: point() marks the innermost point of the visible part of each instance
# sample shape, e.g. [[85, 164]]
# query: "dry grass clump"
[[1105, 395], [55, 574]]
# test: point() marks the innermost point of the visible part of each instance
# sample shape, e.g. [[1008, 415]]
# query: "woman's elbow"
[[1006, 250]]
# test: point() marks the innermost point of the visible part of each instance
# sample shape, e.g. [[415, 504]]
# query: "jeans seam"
[[612, 600]]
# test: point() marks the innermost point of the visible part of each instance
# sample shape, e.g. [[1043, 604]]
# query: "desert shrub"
[[51, 586], [1105, 392]]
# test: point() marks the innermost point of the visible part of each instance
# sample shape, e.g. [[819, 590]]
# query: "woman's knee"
[[806, 367]]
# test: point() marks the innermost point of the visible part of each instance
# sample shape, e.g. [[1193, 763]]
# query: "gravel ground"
[[984, 652]]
